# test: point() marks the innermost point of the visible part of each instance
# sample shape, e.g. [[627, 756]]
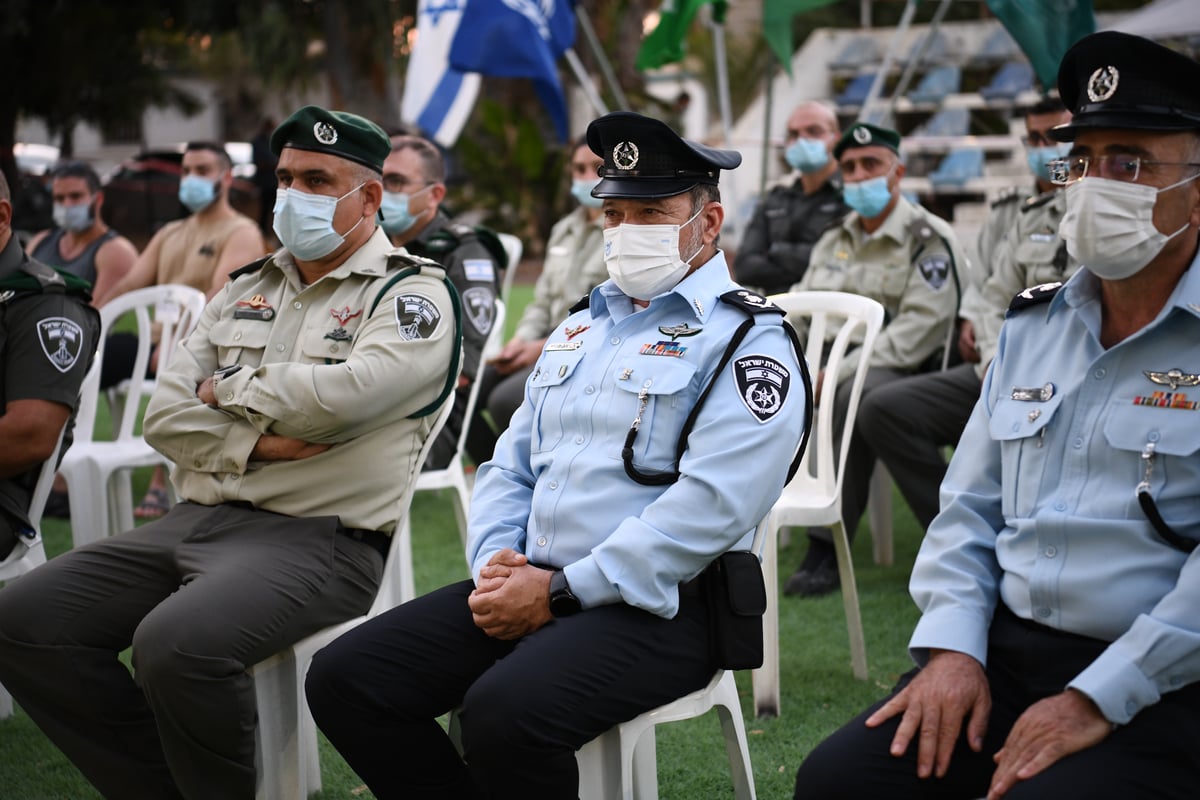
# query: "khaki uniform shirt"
[[1030, 254], [317, 365], [574, 265], [1002, 216], [191, 249], [907, 267]]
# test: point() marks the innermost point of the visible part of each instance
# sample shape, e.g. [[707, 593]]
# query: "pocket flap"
[[240, 333], [665, 376], [741, 574], [1020, 419], [554, 368], [1173, 431]]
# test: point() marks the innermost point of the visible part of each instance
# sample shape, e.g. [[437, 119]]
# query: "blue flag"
[[437, 98], [518, 39]]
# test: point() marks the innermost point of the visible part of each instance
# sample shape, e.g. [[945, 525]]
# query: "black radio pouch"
[[736, 594]]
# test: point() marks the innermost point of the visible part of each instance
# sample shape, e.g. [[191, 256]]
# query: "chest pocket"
[[666, 383], [1175, 434], [318, 348], [549, 387], [1038, 258], [1021, 429], [831, 276], [240, 341]]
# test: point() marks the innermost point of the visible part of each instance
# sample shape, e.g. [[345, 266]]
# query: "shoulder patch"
[[252, 267], [762, 383], [934, 269], [584, 302], [479, 307], [750, 302], [61, 340], [1034, 295], [479, 269], [417, 316]]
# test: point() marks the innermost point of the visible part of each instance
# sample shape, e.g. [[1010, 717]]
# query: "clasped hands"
[[952, 688], [512, 597]]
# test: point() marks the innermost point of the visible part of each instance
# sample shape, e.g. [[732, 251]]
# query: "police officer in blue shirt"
[[588, 527], [1059, 642]]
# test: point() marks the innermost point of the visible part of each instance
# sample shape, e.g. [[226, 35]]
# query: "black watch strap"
[[563, 603]]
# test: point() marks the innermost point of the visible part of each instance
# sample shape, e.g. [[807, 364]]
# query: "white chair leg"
[[462, 502], [765, 679], [89, 507], [277, 740], [6, 704], [879, 514], [729, 709], [858, 646], [408, 586]]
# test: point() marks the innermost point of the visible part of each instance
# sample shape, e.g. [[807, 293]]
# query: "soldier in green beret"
[[295, 415]]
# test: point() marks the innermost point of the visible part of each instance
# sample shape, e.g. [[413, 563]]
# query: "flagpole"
[[766, 145], [585, 81], [606, 69], [722, 81]]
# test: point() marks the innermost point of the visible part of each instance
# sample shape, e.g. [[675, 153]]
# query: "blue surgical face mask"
[[582, 191], [807, 155], [76, 219], [1039, 157], [396, 217], [870, 197], [304, 222], [197, 193]]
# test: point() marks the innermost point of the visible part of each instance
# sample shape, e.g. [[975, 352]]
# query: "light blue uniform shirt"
[[1039, 504], [556, 489]]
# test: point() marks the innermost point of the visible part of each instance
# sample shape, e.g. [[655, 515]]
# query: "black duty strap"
[[456, 304], [1150, 509]]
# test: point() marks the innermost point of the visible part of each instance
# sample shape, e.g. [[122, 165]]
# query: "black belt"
[[377, 539]]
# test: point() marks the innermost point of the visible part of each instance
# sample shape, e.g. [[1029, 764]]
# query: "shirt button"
[[1152, 436], [541, 542], [1100, 373], [615, 340], [646, 384], [1043, 612], [1060, 506], [297, 305], [237, 336], [196, 463], [578, 440], [333, 348], [589, 390], [281, 347], [1051, 551], [1078, 443], [228, 396], [553, 484]]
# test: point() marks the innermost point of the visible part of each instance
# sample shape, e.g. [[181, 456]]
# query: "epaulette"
[[922, 231], [1034, 295], [750, 302], [406, 259], [1037, 201], [583, 303], [439, 243], [252, 267], [1007, 196]]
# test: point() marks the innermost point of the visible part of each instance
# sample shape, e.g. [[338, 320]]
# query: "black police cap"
[[643, 157], [1116, 80], [338, 133]]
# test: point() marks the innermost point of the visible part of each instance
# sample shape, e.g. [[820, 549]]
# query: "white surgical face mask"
[[75, 219], [1109, 226], [304, 222], [644, 260]]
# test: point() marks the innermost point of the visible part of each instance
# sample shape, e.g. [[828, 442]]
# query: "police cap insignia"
[[864, 134], [61, 340], [762, 383], [661, 164], [1103, 84], [417, 316], [337, 133]]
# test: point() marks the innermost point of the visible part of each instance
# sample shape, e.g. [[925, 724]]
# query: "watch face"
[[562, 602]]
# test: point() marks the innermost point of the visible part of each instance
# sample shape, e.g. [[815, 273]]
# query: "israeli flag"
[[437, 97]]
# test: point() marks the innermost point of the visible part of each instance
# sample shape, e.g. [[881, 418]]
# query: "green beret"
[[864, 134], [337, 133]]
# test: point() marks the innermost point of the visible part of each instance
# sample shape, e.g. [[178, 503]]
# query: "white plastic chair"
[[512, 248], [453, 476], [813, 497], [28, 555], [98, 472], [286, 755]]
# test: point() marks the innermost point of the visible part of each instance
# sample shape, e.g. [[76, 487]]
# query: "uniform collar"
[[1084, 287], [369, 260], [698, 291], [440, 220]]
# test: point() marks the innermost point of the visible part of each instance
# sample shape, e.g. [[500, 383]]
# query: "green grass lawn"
[[819, 693]]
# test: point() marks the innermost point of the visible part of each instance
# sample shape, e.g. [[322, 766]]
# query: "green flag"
[[777, 25], [665, 44], [1045, 30]]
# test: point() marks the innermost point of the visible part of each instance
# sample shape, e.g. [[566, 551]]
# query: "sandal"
[[153, 505]]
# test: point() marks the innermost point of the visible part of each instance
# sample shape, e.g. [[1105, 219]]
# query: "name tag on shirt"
[[553, 346]]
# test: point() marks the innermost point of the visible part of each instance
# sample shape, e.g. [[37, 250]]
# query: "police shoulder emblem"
[[479, 306], [325, 133], [935, 269], [1103, 84], [61, 340], [762, 383], [625, 155], [417, 316]]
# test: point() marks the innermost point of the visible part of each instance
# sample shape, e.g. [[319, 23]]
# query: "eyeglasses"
[[1116, 167], [399, 183], [1037, 139]]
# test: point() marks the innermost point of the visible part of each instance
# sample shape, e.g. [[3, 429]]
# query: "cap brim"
[[1120, 120], [641, 187]]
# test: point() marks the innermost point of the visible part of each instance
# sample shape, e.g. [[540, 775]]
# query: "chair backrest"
[[858, 51], [937, 84], [947, 122], [855, 94], [1012, 79], [389, 594], [513, 249], [958, 167], [999, 46], [833, 322], [493, 344], [177, 309]]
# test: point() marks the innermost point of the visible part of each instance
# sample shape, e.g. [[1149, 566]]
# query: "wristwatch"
[[224, 372], [562, 602]]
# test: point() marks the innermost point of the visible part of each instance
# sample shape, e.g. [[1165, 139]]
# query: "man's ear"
[[712, 218], [437, 193], [372, 197]]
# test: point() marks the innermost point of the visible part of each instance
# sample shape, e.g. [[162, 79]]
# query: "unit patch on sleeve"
[[417, 316], [935, 269], [62, 341], [762, 382], [479, 304]]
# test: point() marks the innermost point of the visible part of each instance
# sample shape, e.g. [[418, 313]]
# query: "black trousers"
[[1155, 757], [526, 706]]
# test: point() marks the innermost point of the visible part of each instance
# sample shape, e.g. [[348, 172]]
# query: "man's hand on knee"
[[515, 608], [950, 688]]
